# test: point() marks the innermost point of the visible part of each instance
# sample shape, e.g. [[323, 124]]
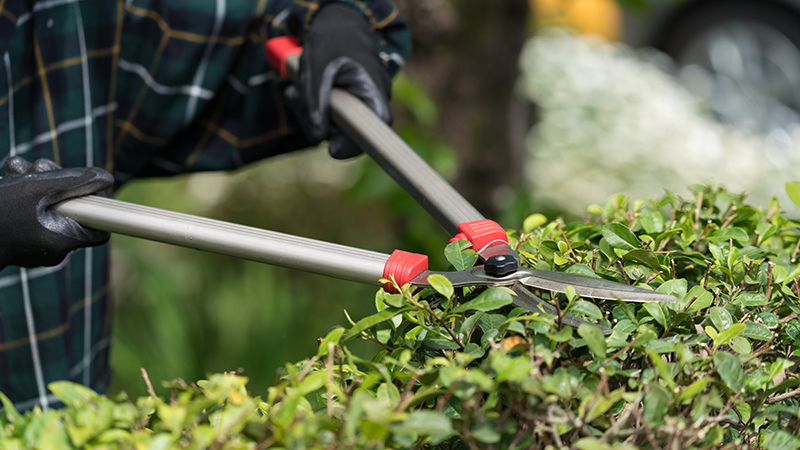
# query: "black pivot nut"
[[500, 265]]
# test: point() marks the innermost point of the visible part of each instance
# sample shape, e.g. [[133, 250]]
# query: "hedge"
[[464, 368]]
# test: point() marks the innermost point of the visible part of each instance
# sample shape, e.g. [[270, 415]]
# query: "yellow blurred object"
[[600, 17]]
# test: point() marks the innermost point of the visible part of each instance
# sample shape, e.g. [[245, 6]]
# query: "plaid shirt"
[[141, 88]]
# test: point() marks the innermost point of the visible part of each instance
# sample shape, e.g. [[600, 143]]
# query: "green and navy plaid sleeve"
[[211, 101], [142, 88]]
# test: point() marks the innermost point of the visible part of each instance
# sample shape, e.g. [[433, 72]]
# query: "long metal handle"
[[401, 162], [185, 230]]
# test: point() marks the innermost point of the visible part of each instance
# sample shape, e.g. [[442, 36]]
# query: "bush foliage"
[[465, 368]]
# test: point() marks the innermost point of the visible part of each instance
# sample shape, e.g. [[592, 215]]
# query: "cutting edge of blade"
[[631, 294]]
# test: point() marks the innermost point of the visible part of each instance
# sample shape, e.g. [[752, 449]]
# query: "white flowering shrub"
[[611, 121]]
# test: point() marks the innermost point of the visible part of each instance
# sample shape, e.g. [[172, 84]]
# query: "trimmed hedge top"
[[464, 368]]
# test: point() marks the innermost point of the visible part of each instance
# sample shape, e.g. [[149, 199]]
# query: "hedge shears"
[[500, 263]]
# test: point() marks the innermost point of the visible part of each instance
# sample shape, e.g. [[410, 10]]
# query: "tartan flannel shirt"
[[141, 88]]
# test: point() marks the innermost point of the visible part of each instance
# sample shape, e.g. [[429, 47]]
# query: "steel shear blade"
[[523, 278]]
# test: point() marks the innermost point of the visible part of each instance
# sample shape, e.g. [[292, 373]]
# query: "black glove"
[[340, 51], [31, 235]]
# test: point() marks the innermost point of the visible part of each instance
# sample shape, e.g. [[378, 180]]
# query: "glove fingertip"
[[45, 165], [16, 165], [102, 177], [342, 147]]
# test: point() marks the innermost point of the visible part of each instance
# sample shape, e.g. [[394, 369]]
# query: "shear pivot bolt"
[[500, 266]]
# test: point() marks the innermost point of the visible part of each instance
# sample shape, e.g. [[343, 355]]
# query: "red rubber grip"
[[404, 266], [482, 233], [280, 48]]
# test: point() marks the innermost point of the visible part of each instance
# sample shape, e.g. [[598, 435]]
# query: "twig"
[[571, 252], [689, 304], [619, 352], [624, 275], [730, 402], [702, 235], [768, 292], [444, 325], [782, 397], [708, 272], [789, 317], [652, 276], [794, 253], [150, 389], [307, 367], [697, 207], [728, 221], [329, 370], [760, 351]]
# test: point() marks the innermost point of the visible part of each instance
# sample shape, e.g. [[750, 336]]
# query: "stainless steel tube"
[[338, 261], [399, 160]]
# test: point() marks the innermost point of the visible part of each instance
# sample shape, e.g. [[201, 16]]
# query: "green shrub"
[[464, 368]]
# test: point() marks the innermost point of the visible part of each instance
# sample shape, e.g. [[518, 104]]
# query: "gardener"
[[141, 89]]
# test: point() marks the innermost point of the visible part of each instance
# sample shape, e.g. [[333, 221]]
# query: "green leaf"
[[644, 257], [721, 318], [652, 222], [427, 423], [781, 440], [10, 412], [654, 309], [441, 284], [332, 338], [285, 414], [741, 345], [72, 394], [173, 417], [588, 309], [676, 288], [726, 234], [533, 221], [594, 339], [730, 371], [656, 404], [793, 330], [563, 335], [621, 237], [769, 319], [52, 435], [793, 191], [757, 331], [312, 382], [581, 269], [375, 319], [692, 390], [508, 368], [569, 291], [778, 366], [750, 299], [484, 432], [460, 255], [704, 299], [729, 333], [488, 300]]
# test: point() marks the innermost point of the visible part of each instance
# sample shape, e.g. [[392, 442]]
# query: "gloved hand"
[[31, 235], [340, 51]]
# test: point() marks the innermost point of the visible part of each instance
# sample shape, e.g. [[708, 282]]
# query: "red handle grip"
[[279, 49], [482, 234], [405, 267]]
